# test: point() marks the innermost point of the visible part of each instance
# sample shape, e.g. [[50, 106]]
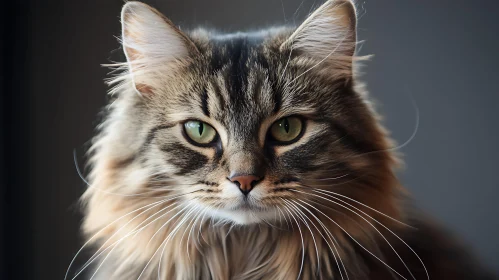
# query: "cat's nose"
[[245, 182]]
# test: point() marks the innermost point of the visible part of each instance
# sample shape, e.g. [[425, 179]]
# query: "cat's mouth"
[[244, 212], [247, 205]]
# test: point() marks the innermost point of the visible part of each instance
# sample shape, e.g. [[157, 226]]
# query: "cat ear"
[[328, 34], [152, 45]]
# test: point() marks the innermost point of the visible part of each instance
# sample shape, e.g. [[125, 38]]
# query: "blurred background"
[[440, 55]]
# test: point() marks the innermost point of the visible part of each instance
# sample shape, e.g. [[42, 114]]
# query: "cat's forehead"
[[242, 80], [240, 88], [237, 54], [240, 49]]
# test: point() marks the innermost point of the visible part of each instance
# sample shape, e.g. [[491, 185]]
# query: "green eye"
[[286, 129], [200, 132]]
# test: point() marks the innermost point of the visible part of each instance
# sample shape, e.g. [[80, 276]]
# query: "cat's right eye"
[[199, 132]]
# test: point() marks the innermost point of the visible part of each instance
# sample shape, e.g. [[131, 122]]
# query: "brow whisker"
[[320, 62]]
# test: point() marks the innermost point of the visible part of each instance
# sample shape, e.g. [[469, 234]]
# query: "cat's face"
[[240, 136], [239, 126]]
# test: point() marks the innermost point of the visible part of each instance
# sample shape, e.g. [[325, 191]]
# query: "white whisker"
[[302, 241], [320, 62], [110, 252], [381, 224], [333, 240], [190, 233], [353, 239], [300, 213], [100, 231], [172, 234], [147, 264], [121, 239]]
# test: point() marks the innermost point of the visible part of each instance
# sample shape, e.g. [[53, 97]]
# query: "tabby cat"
[[251, 156]]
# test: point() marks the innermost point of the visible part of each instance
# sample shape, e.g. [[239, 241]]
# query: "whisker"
[[147, 264], [230, 229], [172, 234], [169, 220], [191, 222], [93, 257], [407, 142], [343, 214], [267, 222], [110, 252], [116, 243], [80, 174], [100, 231], [339, 183], [318, 63], [367, 206], [148, 218], [413, 135], [200, 225], [298, 211], [333, 240], [283, 216], [332, 178], [287, 63], [381, 224], [302, 242], [351, 237], [190, 233]]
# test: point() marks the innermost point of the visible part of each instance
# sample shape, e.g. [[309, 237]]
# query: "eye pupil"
[[286, 125], [200, 128]]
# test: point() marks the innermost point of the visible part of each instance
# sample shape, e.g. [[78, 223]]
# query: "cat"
[[252, 156]]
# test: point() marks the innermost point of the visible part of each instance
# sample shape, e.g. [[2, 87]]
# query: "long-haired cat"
[[251, 156]]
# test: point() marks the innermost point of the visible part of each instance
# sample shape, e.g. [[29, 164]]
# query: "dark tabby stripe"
[[204, 103], [188, 161], [150, 136]]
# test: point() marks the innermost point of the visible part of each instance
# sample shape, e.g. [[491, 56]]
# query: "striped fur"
[[158, 206]]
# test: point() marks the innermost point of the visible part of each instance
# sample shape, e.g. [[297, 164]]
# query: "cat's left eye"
[[286, 130], [199, 132]]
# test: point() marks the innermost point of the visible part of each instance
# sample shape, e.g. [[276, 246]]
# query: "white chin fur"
[[242, 217]]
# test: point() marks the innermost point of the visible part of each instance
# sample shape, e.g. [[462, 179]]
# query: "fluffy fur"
[[329, 205]]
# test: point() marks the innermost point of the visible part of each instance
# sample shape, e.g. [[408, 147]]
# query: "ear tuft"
[[151, 43], [328, 33]]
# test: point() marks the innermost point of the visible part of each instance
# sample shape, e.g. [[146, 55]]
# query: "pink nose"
[[245, 182]]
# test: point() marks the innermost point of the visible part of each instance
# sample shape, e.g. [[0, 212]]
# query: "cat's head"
[[245, 127]]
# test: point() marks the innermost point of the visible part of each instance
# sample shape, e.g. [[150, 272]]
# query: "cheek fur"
[[187, 161]]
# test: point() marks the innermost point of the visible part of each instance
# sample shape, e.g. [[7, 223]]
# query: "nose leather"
[[245, 182]]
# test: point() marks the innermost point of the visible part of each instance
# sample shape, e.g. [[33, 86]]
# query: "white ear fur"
[[151, 43], [328, 33]]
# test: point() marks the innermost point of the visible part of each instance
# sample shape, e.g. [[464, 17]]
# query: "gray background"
[[441, 56]]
